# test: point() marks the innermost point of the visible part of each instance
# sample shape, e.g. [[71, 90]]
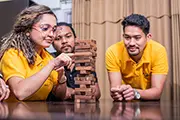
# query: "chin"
[[67, 51], [46, 46], [133, 53]]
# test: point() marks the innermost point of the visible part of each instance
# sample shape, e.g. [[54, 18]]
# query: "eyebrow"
[[131, 36]]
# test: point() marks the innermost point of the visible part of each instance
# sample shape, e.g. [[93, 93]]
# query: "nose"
[[132, 41], [64, 40], [51, 34]]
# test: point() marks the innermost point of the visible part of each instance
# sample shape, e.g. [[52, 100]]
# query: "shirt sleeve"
[[112, 62], [12, 64], [160, 62]]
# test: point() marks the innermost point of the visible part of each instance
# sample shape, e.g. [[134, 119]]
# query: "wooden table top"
[[102, 110]]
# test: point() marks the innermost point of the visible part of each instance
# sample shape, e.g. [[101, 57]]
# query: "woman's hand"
[[62, 60], [4, 90]]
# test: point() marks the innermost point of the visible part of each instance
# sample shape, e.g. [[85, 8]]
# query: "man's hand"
[[4, 90], [116, 94], [127, 92], [69, 93]]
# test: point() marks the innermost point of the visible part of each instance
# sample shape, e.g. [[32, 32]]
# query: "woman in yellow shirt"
[[28, 69]]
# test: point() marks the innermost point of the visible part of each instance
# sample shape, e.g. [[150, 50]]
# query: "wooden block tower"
[[85, 54]]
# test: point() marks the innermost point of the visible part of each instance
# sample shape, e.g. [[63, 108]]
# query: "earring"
[[27, 34]]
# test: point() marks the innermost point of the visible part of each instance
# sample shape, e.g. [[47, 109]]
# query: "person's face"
[[43, 32], [135, 40], [65, 40]]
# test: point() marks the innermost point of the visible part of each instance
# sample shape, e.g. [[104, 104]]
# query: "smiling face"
[[43, 32], [65, 40], [135, 40]]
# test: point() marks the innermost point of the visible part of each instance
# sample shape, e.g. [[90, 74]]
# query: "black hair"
[[68, 25], [137, 20]]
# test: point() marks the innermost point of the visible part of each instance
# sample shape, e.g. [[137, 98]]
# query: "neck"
[[38, 50], [137, 57]]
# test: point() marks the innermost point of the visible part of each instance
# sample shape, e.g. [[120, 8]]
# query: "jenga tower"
[[85, 54]]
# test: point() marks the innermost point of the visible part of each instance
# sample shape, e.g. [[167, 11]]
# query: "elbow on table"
[[20, 95]]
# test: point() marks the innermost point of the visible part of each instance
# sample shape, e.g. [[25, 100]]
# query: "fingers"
[[128, 92], [61, 69], [4, 90], [63, 60], [115, 94], [71, 55], [125, 92], [7, 94]]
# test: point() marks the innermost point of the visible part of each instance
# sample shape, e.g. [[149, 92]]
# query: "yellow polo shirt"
[[138, 75], [15, 64]]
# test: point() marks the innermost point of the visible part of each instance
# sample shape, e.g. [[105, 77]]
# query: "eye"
[[44, 27], [68, 36], [127, 37], [137, 37]]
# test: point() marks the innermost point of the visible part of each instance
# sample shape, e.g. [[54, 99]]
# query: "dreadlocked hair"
[[18, 38]]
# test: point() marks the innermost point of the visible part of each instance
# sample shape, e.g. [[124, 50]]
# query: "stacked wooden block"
[[85, 54]]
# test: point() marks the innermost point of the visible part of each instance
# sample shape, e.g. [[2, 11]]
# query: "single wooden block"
[[85, 64], [83, 97], [84, 78], [90, 68], [85, 61], [82, 89], [85, 42], [82, 82], [77, 54], [78, 49]]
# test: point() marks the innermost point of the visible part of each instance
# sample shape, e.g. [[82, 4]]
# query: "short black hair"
[[68, 25], [137, 20]]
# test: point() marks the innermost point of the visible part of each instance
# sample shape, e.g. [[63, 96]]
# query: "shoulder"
[[155, 45], [115, 48], [12, 53]]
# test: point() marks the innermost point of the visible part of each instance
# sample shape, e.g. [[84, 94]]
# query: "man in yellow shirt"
[[137, 66]]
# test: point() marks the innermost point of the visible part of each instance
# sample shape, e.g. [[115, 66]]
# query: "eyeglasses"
[[45, 28]]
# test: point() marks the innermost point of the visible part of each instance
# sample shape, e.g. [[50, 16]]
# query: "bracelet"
[[1, 76], [62, 80]]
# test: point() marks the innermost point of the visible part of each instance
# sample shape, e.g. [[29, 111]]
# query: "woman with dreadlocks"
[[28, 69]]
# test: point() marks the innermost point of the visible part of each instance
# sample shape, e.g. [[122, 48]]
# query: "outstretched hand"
[[63, 60]]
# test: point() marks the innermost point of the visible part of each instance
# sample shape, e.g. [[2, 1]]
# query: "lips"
[[66, 47], [132, 49]]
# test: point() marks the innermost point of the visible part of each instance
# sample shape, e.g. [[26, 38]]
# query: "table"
[[102, 110]]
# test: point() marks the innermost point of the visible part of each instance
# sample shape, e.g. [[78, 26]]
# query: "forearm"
[[150, 94], [157, 86], [115, 79], [27, 87]]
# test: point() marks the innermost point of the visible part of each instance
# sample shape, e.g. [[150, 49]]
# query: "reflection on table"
[[104, 110]]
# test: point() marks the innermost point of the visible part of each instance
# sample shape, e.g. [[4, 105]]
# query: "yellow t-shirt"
[[15, 64], [138, 75]]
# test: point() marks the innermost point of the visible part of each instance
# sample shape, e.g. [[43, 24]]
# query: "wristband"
[[1, 76], [62, 80]]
